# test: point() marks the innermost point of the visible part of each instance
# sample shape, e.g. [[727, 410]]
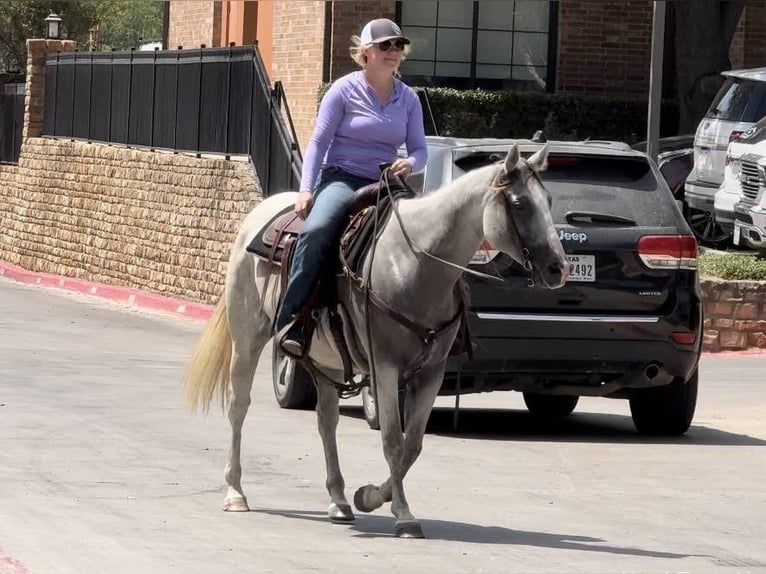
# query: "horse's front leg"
[[401, 449], [327, 417]]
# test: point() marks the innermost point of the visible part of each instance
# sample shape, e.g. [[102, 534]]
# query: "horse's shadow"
[[510, 424], [372, 526]]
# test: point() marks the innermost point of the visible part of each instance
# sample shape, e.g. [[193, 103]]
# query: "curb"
[[127, 295], [191, 309]]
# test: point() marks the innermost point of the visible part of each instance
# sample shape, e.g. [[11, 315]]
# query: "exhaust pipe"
[[656, 373]]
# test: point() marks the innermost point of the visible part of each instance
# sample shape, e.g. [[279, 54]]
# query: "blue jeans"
[[323, 226]]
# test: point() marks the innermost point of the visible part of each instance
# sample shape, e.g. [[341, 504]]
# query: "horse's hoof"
[[362, 497], [340, 513], [236, 505], [408, 529]]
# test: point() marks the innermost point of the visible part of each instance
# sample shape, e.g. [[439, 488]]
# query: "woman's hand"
[[303, 204], [401, 167]]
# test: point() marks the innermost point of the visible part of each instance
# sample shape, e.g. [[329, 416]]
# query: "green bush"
[[484, 113], [732, 266]]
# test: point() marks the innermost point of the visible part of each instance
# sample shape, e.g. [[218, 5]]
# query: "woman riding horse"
[[363, 120]]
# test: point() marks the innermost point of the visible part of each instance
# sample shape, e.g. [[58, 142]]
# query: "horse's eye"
[[520, 203]]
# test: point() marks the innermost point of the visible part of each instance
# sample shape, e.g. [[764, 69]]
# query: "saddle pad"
[[261, 244]]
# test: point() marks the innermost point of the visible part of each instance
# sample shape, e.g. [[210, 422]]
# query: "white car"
[[740, 102], [729, 192], [744, 188]]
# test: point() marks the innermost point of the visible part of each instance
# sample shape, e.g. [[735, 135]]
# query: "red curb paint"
[[190, 309], [10, 565], [132, 297]]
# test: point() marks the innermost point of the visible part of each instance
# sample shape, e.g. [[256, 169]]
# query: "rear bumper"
[[700, 194], [597, 359]]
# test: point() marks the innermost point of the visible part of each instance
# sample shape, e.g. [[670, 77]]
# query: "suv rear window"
[[739, 100], [622, 186]]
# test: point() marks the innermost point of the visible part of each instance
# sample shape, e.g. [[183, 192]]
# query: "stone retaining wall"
[[735, 314], [155, 221]]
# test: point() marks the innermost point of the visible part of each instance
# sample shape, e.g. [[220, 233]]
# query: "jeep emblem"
[[568, 236]]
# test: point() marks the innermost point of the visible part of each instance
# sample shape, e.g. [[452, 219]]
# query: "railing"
[[206, 100], [11, 122]]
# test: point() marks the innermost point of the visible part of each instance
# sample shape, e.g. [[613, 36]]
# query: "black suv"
[[628, 323]]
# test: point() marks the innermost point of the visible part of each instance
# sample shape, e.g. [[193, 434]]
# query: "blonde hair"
[[359, 52]]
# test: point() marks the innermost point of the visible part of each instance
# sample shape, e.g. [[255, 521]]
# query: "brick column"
[[34, 103]]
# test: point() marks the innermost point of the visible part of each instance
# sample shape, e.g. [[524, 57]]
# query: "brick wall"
[[748, 47], [297, 58], [159, 222], [605, 46], [735, 314], [193, 23], [347, 20]]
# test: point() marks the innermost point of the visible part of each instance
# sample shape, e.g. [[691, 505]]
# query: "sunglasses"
[[386, 45]]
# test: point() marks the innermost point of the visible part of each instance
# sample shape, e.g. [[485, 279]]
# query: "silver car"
[[740, 102]]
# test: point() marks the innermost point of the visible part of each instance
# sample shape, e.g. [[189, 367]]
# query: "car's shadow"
[[509, 424], [374, 526]]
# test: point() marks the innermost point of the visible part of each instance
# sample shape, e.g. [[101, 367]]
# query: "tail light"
[[668, 251], [684, 337]]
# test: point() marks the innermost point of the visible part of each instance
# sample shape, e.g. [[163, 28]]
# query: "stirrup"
[[290, 347]]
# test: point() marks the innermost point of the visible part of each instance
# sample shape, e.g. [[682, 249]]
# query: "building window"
[[491, 44]]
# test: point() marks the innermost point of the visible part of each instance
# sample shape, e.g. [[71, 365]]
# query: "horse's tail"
[[207, 373]]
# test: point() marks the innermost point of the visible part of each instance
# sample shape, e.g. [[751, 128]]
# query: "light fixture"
[[53, 26]]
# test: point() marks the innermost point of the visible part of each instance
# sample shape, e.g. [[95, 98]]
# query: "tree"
[[120, 24], [123, 24], [23, 19], [704, 30]]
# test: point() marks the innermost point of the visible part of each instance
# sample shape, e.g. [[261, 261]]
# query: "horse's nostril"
[[555, 269]]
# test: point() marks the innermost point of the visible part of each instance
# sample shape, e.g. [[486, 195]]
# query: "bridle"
[[499, 187]]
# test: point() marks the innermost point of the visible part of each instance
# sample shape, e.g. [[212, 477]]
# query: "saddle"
[[270, 244]]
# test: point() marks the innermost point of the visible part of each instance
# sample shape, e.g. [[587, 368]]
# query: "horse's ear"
[[512, 159], [539, 161]]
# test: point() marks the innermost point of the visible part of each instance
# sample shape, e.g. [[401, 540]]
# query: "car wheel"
[[293, 385], [706, 229], [550, 406], [370, 408], [666, 410]]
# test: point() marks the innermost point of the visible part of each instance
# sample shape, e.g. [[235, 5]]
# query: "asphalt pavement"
[[103, 470]]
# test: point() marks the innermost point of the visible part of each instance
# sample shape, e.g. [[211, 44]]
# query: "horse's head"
[[517, 218]]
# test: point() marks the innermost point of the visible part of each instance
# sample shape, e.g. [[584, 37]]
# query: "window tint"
[[739, 101], [612, 185], [624, 187]]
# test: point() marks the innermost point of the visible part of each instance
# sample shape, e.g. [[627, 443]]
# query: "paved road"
[[102, 470]]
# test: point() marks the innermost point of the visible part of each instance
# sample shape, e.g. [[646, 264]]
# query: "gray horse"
[[503, 203]]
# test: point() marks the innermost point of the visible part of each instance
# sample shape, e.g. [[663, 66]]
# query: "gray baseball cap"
[[380, 30]]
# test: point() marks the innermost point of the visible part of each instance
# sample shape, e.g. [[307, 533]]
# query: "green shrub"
[[732, 266], [484, 113]]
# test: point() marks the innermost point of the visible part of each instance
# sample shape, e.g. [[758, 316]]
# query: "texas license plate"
[[582, 268], [737, 234]]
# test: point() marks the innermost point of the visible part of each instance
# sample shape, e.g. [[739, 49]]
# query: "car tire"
[[667, 410], [293, 385], [550, 406], [370, 409]]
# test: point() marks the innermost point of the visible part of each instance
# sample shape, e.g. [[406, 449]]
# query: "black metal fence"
[[11, 122], [207, 100]]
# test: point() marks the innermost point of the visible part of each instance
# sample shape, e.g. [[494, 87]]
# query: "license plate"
[[737, 234], [582, 268]]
